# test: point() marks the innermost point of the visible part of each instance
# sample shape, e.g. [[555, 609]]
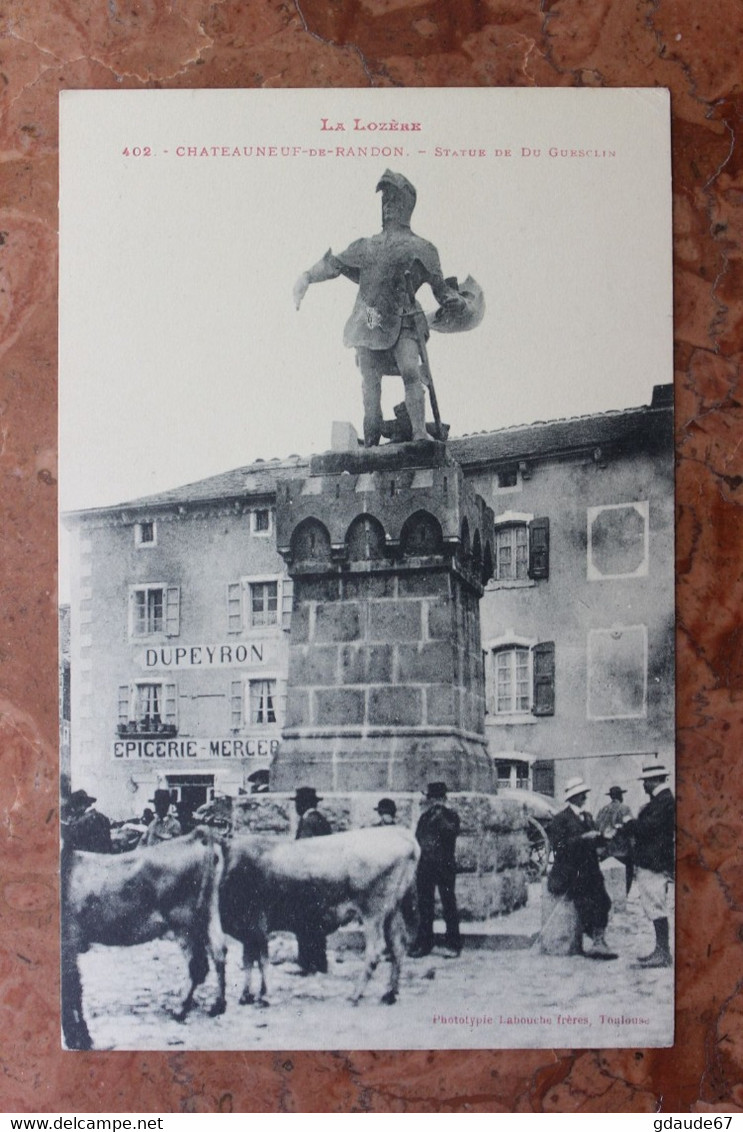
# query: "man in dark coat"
[[311, 950], [436, 833], [653, 833], [576, 872], [84, 827]]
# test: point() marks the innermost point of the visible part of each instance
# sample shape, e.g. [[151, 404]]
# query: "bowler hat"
[[574, 787], [436, 790], [386, 806], [616, 792], [307, 794], [161, 795], [654, 770]]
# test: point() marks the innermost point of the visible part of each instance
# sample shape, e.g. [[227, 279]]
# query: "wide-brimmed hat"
[[80, 798], [574, 787], [386, 806], [616, 792], [307, 794], [654, 770], [436, 790]]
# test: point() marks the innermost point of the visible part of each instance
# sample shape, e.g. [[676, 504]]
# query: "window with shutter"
[[539, 548], [519, 680], [154, 608], [544, 678], [148, 707]]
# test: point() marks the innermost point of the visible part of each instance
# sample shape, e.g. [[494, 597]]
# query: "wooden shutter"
[[282, 693], [543, 777], [287, 603], [544, 678], [234, 608], [124, 702], [170, 704], [172, 611], [539, 548], [236, 704]]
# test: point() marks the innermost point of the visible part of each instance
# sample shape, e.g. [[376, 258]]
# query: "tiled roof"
[[620, 429]]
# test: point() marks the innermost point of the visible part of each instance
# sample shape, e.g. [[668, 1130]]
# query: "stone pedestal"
[[388, 550]]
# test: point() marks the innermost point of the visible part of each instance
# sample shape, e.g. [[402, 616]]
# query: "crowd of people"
[[579, 843]]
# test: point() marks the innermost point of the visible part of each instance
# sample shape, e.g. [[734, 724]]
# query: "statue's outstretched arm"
[[326, 268]]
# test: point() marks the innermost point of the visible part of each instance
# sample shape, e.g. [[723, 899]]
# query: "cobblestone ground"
[[490, 998]]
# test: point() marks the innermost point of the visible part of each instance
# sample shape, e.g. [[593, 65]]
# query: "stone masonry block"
[[367, 586], [401, 621], [297, 708], [366, 664], [300, 631], [397, 706], [337, 622], [442, 704], [440, 620], [313, 666], [424, 583], [317, 589], [338, 706], [431, 662]]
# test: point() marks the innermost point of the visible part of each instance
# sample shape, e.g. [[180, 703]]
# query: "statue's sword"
[[425, 367]]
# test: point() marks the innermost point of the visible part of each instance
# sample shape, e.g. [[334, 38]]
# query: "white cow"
[[274, 884]]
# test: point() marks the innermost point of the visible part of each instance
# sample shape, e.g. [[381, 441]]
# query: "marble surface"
[[697, 51]]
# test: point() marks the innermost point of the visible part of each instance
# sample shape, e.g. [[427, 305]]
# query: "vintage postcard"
[[366, 600]]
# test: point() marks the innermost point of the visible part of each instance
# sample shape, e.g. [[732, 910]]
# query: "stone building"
[[181, 610]]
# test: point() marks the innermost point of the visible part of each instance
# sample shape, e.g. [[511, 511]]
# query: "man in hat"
[[258, 782], [614, 814], [311, 950], [387, 811], [576, 872], [83, 827], [653, 833], [436, 833], [165, 827], [386, 320]]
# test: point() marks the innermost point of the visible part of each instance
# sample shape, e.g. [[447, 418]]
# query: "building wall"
[[599, 625], [201, 555]]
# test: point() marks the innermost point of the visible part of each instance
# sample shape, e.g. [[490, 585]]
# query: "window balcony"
[[149, 727]]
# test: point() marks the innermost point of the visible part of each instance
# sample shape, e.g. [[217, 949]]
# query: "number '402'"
[[137, 151]]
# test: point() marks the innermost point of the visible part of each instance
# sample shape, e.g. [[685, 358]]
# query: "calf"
[[125, 900], [273, 884]]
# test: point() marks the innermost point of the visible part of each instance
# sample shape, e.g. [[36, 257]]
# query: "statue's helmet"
[[398, 197]]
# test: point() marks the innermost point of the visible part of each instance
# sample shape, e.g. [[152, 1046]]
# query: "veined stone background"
[[697, 51]]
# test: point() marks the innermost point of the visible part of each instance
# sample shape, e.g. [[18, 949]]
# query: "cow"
[[125, 900], [270, 884]]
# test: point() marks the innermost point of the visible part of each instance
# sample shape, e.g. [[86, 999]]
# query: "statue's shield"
[[452, 322]]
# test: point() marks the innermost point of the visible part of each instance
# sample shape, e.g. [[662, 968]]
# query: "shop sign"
[[183, 750], [229, 654]]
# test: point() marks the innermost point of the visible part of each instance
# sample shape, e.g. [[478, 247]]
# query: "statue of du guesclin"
[[388, 328]]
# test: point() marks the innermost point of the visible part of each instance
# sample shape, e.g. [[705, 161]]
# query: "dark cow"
[[137, 897], [270, 884]]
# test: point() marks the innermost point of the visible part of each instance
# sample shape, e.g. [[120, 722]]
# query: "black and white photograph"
[[366, 595]]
